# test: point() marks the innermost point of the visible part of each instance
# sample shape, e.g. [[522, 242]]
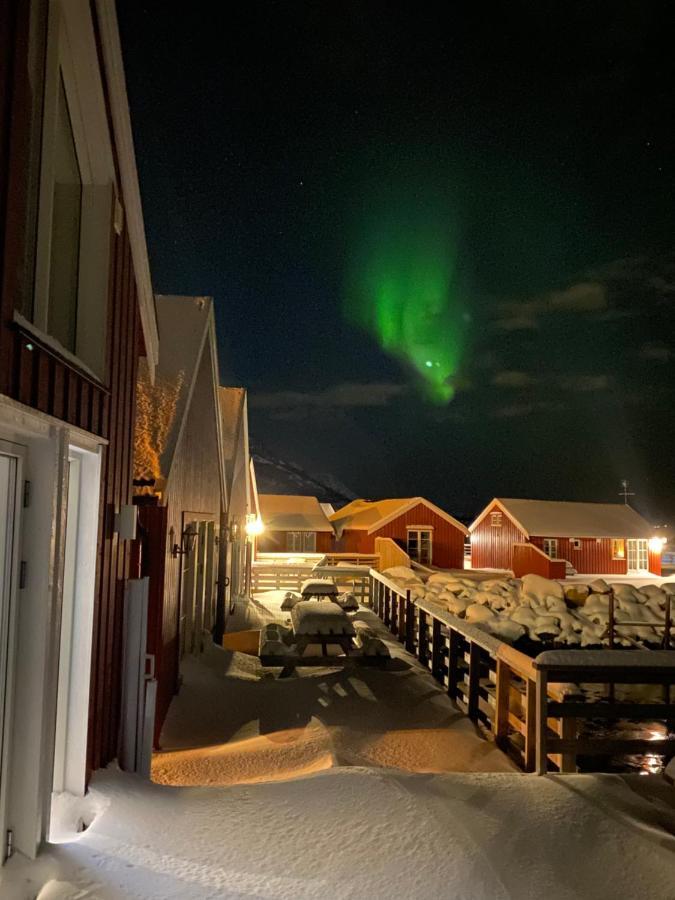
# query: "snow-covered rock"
[[505, 628], [402, 573], [599, 586], [457, 605], [537, 588], [476, 612]]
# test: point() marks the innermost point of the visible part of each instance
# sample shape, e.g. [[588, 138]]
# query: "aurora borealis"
[[403, 289], [438, 237]]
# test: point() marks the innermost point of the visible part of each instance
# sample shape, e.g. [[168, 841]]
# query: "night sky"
[[439, 239]]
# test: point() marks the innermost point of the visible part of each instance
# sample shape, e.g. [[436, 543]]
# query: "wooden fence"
[[390, 554], [522, 703], [281, 576]]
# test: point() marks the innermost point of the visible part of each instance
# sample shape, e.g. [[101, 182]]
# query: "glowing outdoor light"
[[254, 525], [656, 544]]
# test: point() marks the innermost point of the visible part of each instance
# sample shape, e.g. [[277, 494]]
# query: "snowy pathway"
[[233, 722], [348, 785]]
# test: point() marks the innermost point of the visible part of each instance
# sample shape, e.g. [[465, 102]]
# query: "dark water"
[[646, 764]]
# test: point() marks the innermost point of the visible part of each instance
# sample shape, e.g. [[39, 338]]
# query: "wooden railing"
[[601, 667], [390, 554], [504, 691], [529, 559], [281, 576]]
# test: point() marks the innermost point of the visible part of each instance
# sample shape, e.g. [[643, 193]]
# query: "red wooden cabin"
[[76, 313], [427, 533], [549, 537]]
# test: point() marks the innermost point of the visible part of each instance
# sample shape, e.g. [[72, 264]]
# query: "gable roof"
[[109, 36], [234, 433], [187, 334], [371, 515], [562, 518], [290, 512]]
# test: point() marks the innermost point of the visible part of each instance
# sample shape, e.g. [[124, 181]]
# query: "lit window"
[[618, 548], [496, 519], [420, 545]]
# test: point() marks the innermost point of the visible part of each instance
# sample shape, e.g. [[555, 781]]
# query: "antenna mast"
[[624, 492]]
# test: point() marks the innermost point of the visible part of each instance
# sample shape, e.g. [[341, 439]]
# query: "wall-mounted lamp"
[[254, 525], [187, 542], [656, 544]]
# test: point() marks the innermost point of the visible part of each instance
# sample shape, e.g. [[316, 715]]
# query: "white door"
[[638, 556], [9, 516], [77, 621]]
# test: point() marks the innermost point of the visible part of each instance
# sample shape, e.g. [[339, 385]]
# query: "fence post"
[[454, 651], [542, 724], [502, 703], [422, 638], [402, 610], [409, 623], [530, 725], [474, 679], [436, 650]]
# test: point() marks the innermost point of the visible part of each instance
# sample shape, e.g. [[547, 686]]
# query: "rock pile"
[[540, 610]]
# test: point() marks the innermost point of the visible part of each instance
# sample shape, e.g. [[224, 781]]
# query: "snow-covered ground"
[[234, 722], [361, 783], [367, 833]]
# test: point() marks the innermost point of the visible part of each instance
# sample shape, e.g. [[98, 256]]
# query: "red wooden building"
[[550, 538], [427, 533], [294, 524], [76, 313]]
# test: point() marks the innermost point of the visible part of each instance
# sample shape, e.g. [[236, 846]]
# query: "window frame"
[[72, 59], [419, 530], [303, 540], [616, 556], [496, 519], [547, 543]]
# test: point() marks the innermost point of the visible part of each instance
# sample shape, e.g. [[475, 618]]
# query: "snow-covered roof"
[[187, 335], [234, 433], [290, 512], [561, 518], [369, 515]]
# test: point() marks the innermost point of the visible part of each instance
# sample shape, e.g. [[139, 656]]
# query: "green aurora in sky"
[[404, 290]]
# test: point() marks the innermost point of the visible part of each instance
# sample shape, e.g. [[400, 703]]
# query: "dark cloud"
[[348, 395], [513, 379]]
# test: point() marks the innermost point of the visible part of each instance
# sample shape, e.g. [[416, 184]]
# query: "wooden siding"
[[193, 488], [448, 541], [34, 374], [654, 563], [275, 542], [528, 560], [593, 558], [491, 547]]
